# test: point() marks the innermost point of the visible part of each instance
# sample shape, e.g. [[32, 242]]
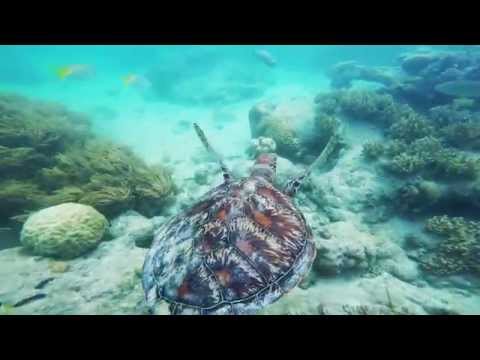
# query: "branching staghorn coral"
[[465, 135], [406, 164], [373, 150], [459, 249], [411, 128], [451, 164], [365, 105]]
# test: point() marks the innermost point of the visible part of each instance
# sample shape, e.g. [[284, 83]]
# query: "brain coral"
[[64, 231]]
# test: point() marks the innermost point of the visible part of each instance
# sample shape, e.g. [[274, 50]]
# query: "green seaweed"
[[18, 196], [18, 161]]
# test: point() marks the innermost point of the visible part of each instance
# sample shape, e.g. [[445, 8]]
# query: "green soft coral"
[[49, 156], [46, 127], [18, 197], [21, 161]]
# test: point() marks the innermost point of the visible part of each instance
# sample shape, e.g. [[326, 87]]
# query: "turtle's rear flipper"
[[294, 184], [226, 172]]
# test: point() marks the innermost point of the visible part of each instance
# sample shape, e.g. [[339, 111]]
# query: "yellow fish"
[[6, 309], [77, 71], [129, 79], [64, 72], [138, 81]]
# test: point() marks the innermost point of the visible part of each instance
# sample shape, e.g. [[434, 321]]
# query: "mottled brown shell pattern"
[[241, 247]]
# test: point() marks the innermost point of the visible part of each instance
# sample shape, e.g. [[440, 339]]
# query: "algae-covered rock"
[[347, 249], [419, 195], [299, 131], [134, 225], [261, 145], [64, 231]]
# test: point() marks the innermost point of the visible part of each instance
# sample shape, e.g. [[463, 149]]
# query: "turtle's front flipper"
[[294, 184], [226, 173]]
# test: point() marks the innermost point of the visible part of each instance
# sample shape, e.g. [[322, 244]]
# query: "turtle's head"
[[265, 166]]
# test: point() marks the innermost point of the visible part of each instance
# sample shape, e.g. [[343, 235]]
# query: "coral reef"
[[261, 145], [463, 135], [425, 80], [299, 131], [344, 73], [264, 122], [428, 158], [410, 128], [373, 150], [415, 144], [419, 195], [49, 156], [380, 109], [429, 73], [459, 249], [64, 231]]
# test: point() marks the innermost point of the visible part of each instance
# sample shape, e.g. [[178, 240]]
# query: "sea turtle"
[[239, 248]]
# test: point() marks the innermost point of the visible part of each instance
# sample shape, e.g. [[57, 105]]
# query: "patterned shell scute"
[[241, 246]]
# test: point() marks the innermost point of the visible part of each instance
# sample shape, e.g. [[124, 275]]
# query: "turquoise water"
[[147, 98], [30, 71]]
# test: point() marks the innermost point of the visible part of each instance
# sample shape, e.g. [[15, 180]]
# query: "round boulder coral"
[[63, 231]]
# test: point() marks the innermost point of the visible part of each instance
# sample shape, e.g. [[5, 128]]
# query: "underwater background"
[[394, 212]]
